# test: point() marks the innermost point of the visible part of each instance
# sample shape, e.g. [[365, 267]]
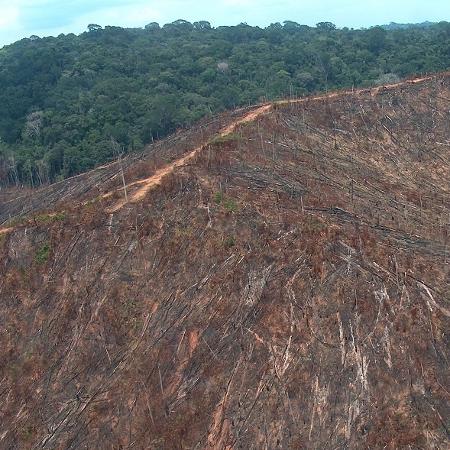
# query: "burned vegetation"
[[277, 278]]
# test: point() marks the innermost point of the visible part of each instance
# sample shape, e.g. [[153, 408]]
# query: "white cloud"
[[133, 15], [238, 2], [136, 15], [9, 15], [20, 18]]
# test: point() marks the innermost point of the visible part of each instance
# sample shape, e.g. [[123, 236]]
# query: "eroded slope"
[[287, 287]]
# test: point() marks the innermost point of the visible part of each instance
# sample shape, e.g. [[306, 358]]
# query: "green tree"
[[94, 27], [63, 99]]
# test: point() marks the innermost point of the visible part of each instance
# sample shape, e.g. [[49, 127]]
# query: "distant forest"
[[72, 102]]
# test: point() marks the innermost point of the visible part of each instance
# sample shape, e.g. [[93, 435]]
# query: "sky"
[[23, 18]]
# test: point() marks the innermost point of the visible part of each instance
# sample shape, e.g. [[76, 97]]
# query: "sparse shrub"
[[183, 232], [230, 205], [50, 218], [15, 221], [27, 433], [90, 203], [40, 219], [313, 225], [229, 242], [42, 253], [222, 139]]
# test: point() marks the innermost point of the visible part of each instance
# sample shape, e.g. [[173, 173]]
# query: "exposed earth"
[[277, 277]]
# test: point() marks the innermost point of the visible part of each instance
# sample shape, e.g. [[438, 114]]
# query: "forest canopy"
[[68, 103]]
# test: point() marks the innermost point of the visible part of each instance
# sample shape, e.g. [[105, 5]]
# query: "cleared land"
[[285, 287]]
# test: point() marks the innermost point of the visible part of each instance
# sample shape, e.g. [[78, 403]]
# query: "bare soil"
[[279, 278]]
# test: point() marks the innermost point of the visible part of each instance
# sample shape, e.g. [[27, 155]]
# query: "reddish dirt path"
[[148, 183]]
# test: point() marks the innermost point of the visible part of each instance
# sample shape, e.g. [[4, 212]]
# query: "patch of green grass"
[[230, 205], [27, 433], [24, 274], [41, 219], [314, 225], [218, 197], [50, 218], [229, 242], [93, 201], [42, 254], [230, 137], [13, 222], [181, 232]]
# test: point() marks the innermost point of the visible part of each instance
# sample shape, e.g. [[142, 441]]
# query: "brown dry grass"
[[303, 306]]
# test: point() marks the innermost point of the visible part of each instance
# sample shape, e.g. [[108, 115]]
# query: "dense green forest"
[[71, 102]]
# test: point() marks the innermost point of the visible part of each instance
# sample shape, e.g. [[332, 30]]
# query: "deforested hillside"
[[277, 277]]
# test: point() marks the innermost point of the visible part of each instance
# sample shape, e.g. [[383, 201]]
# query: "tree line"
[[70, 102]]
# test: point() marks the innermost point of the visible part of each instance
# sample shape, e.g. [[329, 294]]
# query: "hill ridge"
[[253, 113], [249, 117]]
